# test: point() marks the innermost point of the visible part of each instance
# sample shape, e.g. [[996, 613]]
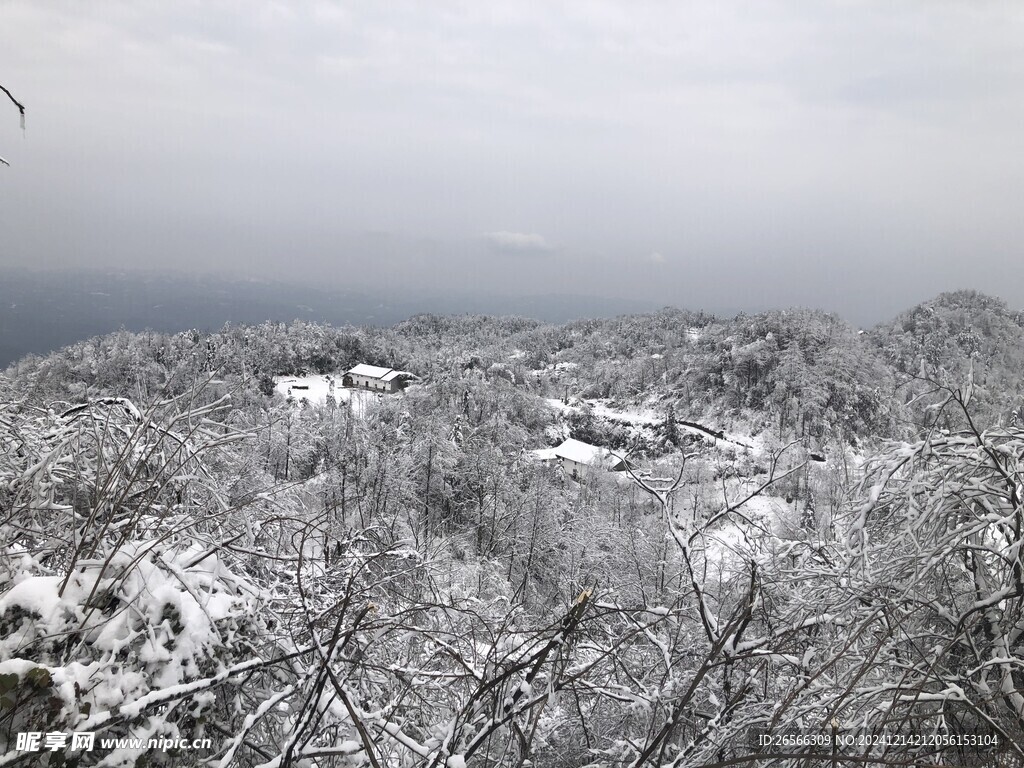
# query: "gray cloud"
[[853, 156]]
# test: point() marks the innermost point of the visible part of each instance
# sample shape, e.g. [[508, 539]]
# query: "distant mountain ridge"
[[794, 371], [44, 311]]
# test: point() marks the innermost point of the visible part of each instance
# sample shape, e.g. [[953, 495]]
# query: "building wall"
[[575, 469], [366, 382], [375, 385]]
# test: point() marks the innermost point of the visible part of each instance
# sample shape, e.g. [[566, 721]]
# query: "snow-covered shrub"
[[144, 626], [119, 613]]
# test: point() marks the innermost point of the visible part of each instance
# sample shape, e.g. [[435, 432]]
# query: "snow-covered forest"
[[818, 535]]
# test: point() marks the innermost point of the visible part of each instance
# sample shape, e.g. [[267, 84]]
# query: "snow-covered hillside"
[[196, 544]]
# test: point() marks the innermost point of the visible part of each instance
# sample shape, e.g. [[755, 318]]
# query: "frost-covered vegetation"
[[823, 534]]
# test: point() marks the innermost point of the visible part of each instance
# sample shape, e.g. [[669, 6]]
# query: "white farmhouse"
[[377, 379]]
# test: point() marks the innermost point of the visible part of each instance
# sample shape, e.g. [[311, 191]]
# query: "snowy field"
[[316, 390]]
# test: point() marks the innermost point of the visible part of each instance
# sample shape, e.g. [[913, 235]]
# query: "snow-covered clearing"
[[317, 389], [646, 418]]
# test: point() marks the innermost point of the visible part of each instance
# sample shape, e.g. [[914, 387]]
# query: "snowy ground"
[[318, 388], [729, 546], [735, 438], [645, 418]]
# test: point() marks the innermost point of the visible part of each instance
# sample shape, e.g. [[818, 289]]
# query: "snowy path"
[[641, 419]]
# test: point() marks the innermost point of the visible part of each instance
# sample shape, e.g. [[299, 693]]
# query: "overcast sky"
[[854, 156]]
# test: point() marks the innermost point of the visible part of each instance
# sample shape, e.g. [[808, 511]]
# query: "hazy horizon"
[[463, 302], [854, 158]]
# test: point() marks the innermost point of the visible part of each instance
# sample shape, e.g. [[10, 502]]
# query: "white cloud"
[[518, 242], [656, 258]]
